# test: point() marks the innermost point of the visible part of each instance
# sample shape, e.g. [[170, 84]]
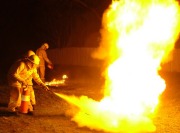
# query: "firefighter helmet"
[[46, 45], [29, 53], [34, 59]]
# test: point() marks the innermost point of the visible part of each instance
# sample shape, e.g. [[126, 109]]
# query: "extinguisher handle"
[[25, 89], [24, 86]]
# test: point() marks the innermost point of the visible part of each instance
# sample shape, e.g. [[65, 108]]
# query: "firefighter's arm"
[[45, 87], [38, 80], [17, 74], [44, 54]]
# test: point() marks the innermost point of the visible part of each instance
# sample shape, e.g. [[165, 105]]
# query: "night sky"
[[26, 24]]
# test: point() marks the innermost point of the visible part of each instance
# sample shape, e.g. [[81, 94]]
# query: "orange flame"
[[137, 36], [56, 82]]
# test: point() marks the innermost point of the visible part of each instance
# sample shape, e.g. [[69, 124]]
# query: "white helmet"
[[34, 59], [29, 53]]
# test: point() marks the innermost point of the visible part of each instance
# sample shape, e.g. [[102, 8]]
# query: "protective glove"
[[45, 87], [50, 66], [24, 84]]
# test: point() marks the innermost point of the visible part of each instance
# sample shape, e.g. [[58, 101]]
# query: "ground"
[[50, 117]]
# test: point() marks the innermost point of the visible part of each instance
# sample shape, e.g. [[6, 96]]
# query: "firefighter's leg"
[[30, 108], [32, 97], [15, 98], [42, 73]]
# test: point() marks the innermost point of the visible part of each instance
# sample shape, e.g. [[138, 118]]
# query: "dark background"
[[26, 24]]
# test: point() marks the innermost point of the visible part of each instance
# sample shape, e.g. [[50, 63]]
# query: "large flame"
[[137, 36]]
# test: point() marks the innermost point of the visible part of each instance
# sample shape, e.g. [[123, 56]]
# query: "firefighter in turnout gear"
[[32, 95], [19, 75], [41, 53]]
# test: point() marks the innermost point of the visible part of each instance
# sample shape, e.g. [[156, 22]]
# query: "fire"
[[137, 36], [56, 82]]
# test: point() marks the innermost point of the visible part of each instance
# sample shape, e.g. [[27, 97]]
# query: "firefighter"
[[19, 75], [32, 95], [41, 53]]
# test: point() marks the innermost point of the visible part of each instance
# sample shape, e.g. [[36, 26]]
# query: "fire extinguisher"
[[25, 100]]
